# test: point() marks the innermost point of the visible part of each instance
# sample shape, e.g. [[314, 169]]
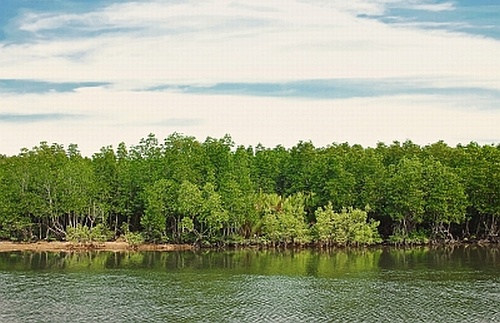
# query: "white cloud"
[[150, 43], [447, 6], [436, 7], [209, 42], [112, 116]]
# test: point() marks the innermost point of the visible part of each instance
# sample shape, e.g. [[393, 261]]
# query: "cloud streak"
[[28, 86], [35, 117]]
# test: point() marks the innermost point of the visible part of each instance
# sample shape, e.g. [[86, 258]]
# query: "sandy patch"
[[6, 246]]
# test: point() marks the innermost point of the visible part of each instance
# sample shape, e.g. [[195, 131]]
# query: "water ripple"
[[222, 294]]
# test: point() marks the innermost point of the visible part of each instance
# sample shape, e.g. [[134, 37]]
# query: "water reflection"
[[333, 263], [423, 284], [443, 257]]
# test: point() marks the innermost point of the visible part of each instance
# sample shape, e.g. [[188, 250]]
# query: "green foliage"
[[189, 200], [16, 229], [268, 172], [213, 215], [78, 234], [100, 233], [283, 219], [187, 229], [134, 239], [445, 198], [82, 234], [157, 206], [481, 174], [183, 190], [404, 194], [349, 227], [187, 225], [414, 237]]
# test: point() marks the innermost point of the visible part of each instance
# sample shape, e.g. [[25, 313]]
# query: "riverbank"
[[118, 246], [62, 246]]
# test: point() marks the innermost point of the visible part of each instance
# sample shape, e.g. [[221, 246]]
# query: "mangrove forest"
[[181, 190]]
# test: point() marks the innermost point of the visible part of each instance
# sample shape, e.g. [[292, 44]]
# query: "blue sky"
[[98, 72]]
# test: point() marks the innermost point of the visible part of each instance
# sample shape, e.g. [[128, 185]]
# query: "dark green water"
[[376, 285]]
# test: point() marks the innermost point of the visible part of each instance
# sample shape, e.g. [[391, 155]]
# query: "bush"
[[134, 239], [349, 227], [78, 234], [83, 234], [100, 233]]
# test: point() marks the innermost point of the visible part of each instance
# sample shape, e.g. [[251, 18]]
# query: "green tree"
[[268, 171], [283, 219], [300, 168], [481, 172], [218, 159], [154, 221], [213, 215], [77, 187], [44, 164], [404, 196], [445, 198], [15, 221], [333, 182], [349, 227], [189, 205], [184, 159], [238, 195], [107, 186]]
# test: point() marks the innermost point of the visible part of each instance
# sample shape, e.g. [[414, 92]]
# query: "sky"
[[100, 72]]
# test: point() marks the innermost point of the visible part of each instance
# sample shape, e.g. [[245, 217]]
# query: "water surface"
[[459, 284]]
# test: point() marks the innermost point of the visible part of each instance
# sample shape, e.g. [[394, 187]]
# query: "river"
[[452, 284]]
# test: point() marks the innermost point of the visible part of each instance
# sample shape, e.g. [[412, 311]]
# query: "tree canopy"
[[182, 190]]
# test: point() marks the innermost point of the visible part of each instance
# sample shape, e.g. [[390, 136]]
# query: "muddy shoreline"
[[59, 246], [120, 246]]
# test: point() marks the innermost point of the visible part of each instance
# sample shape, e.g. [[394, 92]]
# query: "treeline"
[[185, 191]]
